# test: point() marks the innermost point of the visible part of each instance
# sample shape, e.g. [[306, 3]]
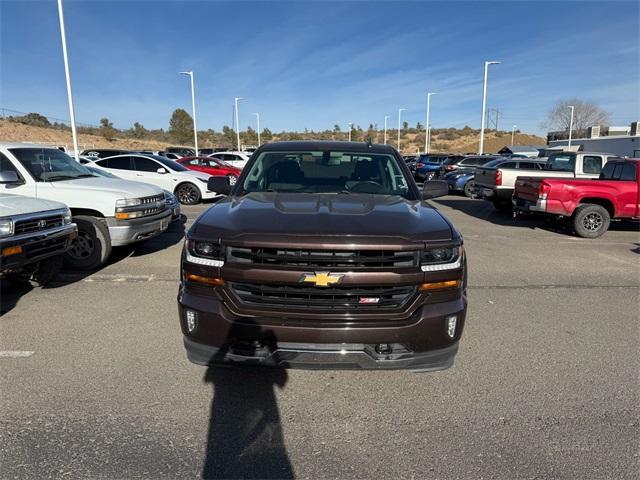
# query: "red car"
[[212, 166], [588, 204]]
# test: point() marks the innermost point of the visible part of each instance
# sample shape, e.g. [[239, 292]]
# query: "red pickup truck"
[[590, 204]]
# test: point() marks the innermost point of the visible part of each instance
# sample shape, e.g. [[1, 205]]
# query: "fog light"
[[451, 325], [192, 320]]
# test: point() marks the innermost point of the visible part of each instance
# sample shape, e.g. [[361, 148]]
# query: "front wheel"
[[591, 221], [469, 188], [188, 194], [46, 271], [92, 246], [232, 179]]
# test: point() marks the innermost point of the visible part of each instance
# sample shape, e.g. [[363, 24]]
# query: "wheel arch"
[[87, 212], [603, 202]]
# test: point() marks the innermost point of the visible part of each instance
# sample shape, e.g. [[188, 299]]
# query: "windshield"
[[49, 164], [175, 166], [100, 172], [326, 172]]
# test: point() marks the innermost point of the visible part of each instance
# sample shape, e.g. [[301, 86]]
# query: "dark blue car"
[[428, 166]]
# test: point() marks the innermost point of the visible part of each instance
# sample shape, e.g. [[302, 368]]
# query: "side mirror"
[[219, 184], [434, 189], [162, 170], [9, 176]]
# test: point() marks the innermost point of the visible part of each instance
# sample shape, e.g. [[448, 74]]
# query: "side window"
[[617, 171], [6, 165], [507, 165], [628, 172], [607, 171], [145, 164], [197, 162], [525, 165], [119, 163], [591, 164]]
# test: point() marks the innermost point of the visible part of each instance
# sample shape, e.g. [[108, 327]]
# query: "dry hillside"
[[411, 142]]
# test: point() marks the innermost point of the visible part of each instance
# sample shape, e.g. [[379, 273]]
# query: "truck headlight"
[[125, 208], [6, 227], [441, 258], [67, 217], [204, 253]]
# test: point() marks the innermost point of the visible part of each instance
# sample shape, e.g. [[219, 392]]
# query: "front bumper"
[[418, 342], [124, 232], [37, 246]]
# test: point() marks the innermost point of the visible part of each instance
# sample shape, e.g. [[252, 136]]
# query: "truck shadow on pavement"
[[245, 438]]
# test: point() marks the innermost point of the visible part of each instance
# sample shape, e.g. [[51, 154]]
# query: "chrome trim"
[[40, 235], [35, 215]]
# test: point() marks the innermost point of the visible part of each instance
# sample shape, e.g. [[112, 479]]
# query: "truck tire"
[[46, 271], [469, 188], [188, 193], [591, 220], [502, 206], [92, 247]]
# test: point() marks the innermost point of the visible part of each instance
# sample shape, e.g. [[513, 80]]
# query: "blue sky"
[[315, 64]]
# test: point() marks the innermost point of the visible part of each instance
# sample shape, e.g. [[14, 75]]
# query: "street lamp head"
[[238, 98], [401, 109], [432, 93], [186, 73], [493, 62]]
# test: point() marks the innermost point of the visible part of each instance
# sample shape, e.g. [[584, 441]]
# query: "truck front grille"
[[345, 298], [309, 258], [38, 224]]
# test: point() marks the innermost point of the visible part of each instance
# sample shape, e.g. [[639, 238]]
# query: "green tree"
[[35, 119], [107, 130], [138, 130], [419, 126], [228, 135], [336, 128], [266, 134], [181, 126], [405, 125]]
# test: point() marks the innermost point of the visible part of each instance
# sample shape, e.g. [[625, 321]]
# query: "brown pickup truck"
[[324, 255]]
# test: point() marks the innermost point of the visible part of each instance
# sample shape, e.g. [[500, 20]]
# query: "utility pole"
[[484, 103], [72, 114], [193, 109], [570, 125], [386, 117], [350, 128], [258, 121], [513, 134], [237, 121], [427, 132]]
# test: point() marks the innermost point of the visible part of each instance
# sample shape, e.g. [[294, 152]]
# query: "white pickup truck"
[[108, 212], [34, 234], [497, 183]]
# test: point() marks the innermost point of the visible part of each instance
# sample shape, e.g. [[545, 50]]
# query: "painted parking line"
[[15, 353]]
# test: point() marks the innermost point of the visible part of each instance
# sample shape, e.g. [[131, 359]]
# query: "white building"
[[626, 144]]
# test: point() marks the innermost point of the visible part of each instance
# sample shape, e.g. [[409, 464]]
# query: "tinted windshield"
[[175, 166], [49, 164], [326, 172]]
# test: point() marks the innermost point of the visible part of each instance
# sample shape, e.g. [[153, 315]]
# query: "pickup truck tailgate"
[[485, 177], [527, 188]]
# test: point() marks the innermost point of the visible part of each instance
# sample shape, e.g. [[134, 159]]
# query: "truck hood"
[[18, 204], [119, 188], [262, 219]]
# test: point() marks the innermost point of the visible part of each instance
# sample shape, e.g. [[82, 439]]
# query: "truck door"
[[25, 185], [630, 194]]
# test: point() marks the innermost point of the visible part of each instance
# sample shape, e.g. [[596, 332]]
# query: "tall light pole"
[[236, 99], [570, 125], [513, 134], [484, 103], [427, 132], [258, 121], [193, 109], [400, 110], [386, 117], [72, 114], [350, 128]]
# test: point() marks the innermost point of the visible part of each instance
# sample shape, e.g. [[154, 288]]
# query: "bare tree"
[[586, 114]]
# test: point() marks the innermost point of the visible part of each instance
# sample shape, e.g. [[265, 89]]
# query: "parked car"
[[428, 166], [457, 162], [182, 151], [211, 166], [462, 180], [108, 212], [103, 152], [496, 184], [190, 187], [325, 256], [170, 199], [589, 204], [34, 235], [233, 158], [172, 156]]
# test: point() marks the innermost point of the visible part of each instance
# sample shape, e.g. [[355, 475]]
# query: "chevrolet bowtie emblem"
[[321, 279]]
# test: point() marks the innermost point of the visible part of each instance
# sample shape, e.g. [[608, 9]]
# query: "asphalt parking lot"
[[545, 384]]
